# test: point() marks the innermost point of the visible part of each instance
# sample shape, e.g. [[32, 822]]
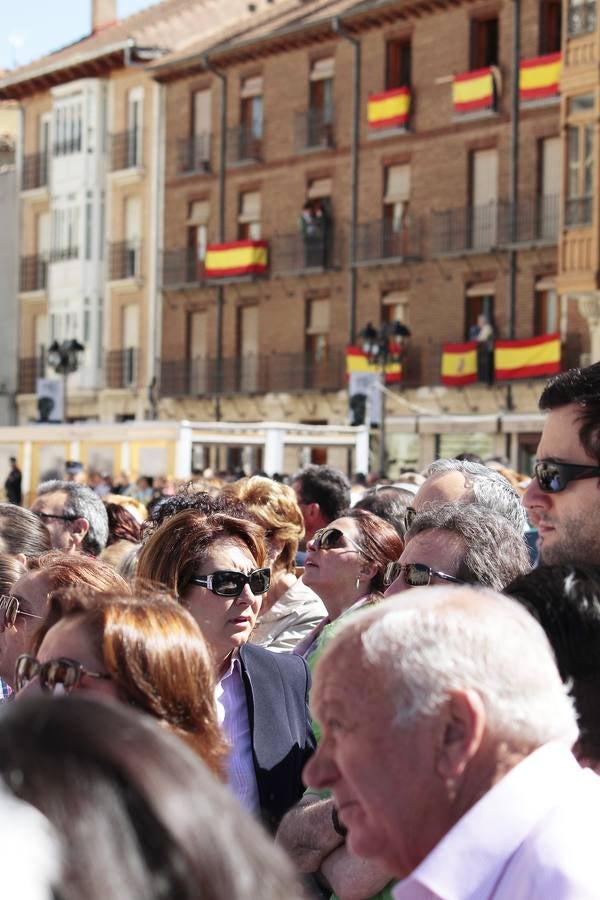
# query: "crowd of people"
[[223, 689]]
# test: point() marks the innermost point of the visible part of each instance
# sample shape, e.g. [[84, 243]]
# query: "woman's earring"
[[357, 582]]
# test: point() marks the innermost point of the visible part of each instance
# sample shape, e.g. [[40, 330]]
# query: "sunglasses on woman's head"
[[10, 608], [226, 583], [415, 574], [553, 477], [331, 539], [62, 671]]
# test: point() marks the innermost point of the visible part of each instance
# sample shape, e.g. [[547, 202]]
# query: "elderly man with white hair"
[[446, 744]]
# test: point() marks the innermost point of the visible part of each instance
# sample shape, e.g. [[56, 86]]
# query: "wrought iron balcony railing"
[[193, 153], [124, 259], [298, 252], [30, 369], [578, 211], [536, 221], [181, 267], [122, 368], [314, 129], [465, 229], [243, 144], [33, 273], [126, 150], [35, 171], [380, 240]]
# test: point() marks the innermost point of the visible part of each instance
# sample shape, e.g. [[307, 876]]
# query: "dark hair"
[[494, 551], [156, 656], [10, 572], [191, 498], [82, 502], [122, 526], [170, 557], [163, 828], [581, 387], [326, 486], [388, 503], [566, 602], [22, 532], [380, 542]]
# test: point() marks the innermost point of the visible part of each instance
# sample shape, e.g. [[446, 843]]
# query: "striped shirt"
[[232, 713]]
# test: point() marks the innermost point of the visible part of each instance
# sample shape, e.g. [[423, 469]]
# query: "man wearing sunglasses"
[[563, 498], [457, 543], [74, 515]]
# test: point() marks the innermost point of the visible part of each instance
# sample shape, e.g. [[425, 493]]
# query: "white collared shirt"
[[232, 714], [534, 836]]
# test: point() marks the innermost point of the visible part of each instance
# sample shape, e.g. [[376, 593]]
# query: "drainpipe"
[[514, 180], [221, 232], [339, 29]]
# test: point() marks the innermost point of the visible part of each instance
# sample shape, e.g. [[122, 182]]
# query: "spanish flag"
[[358, 361], [236, 258], [540, 77], [389, 108], [473, 90], [532, 358], [459, 363]]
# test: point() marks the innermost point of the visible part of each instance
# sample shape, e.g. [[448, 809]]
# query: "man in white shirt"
[[446, 735]]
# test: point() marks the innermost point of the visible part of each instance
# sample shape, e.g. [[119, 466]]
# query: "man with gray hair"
[[454, 542], [74, 515], [463, 481], [446, 736]]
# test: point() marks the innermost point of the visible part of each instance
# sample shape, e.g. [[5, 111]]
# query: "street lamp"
[[383, 346], [64, 359]]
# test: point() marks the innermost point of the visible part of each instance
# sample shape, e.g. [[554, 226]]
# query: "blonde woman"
[[290, 609]]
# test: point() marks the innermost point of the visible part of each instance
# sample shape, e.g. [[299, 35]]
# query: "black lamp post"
[[383, 346], [64, 359]]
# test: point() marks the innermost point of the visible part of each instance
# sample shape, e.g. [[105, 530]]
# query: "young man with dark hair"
[[323, 494], [563, 498]]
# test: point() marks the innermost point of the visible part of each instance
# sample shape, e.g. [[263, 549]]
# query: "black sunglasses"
[[231, 584], [67, 672], [10, 608], [553, 477], [415, 574], [46, 516], [332, 539]]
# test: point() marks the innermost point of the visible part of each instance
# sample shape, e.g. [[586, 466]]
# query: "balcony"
[[126, 150], [122, 368], [314, 130], [35, 172], [30, 369], [236, 259], [284, 372], [581, 19], [64, 254], [293, 253], [378, 241], [578, 212], [181, 267], [193, 154], [69, 146], [466, 229], [243, 145], [536, 221], [33, 273], [124, 260]]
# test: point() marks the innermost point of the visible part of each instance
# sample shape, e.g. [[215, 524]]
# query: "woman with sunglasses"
[[216, 567], [143, 650]]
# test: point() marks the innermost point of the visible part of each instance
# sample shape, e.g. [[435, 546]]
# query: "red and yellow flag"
[[459, 363], [389, 108], [236, 258], [527, 359], [473, 90], [358, 361], [540, 77]]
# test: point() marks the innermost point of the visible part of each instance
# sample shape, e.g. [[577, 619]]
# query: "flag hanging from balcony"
[[236, 258], [540, 77], [358, 361], [472, 91], [459, 364], [389, 108], [532, 358]]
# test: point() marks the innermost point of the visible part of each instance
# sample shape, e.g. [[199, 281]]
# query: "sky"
[[32, 28]]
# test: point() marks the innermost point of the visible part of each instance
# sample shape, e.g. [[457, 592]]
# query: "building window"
[[131, 342], [479, 301], [68, 128], [484, 43], [550, 26], [397, 64], [580, 177], [131, 254], [197, 238], [395, 209], [317, 331], [483, 190], [249, 216], [197, 352], [548, 191], [247, 348], [251, 118], [546, 311], [65, 233], [320, 123], [200, 127], [581, 17], [394, 307], [135, 102]]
